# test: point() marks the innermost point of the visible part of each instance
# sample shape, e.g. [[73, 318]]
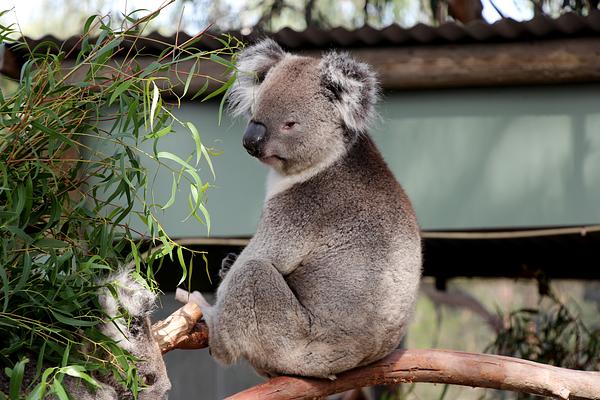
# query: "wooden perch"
[[181, 330], [439, 366]]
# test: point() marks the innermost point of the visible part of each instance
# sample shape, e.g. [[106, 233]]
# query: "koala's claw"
[[226, 264]]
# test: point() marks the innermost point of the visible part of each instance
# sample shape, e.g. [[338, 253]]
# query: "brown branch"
[[181, 330], [439, 366], [460, 299]]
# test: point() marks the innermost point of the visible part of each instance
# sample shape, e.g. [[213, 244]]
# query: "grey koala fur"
[[330, 279], [136, 337]]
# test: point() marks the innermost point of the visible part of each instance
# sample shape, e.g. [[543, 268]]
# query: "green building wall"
[[472, 158]]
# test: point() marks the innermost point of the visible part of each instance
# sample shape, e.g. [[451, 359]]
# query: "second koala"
[[330, 279]]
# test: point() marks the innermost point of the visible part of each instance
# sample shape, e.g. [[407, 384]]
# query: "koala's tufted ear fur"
[[253, 63], [353, 88], [132, 297]]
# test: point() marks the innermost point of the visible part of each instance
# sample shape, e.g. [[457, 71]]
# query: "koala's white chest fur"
[[277, 183]]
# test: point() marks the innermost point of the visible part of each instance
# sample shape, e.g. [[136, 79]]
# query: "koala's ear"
[[353, 88], [252, 65], [132, 295], [123, 292]]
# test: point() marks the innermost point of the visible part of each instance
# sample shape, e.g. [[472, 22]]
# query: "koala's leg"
[[258, 317]]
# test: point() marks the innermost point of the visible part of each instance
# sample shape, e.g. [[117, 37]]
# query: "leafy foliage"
[[71, 180], [551, 334]]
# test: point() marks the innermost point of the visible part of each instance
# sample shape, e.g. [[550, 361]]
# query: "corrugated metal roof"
[[569, 25], [540, 27]]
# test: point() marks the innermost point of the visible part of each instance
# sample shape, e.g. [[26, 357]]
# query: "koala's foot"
[[226, 264]]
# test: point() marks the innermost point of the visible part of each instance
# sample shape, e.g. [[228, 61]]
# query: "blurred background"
[[64, 17], [490, 119]]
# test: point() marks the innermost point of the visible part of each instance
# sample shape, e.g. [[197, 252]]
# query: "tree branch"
[[439, 366], [460, 299], [181, 330]]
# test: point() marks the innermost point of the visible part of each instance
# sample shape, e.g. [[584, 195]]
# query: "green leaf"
[[208, 160], [16, 378], [197, 204], [206, 217], [106, 50], [222, 105], [162, 132], [200, 91], [122, 87], [5, 287], [221, 89], [136, 256], [88, 23], [171, 200], [150, 69], [77, 372], [25, 272], [38, 392], [65, 356], [206, 267], [53, 133], [154, 106], [188, 168], [189, 78], [50, 243], [58, 390], [197, 141], [182, 264], [221, 60], [72, 321]]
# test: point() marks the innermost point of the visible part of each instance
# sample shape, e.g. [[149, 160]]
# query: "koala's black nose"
[[254, 138]]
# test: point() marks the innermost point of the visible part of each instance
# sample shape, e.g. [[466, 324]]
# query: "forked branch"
[[181, 330]]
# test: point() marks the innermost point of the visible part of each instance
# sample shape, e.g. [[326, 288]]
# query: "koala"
[[330, 279], [135, 336]]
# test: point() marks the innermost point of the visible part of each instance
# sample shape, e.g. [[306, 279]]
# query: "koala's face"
[[303, 111], [293, 124]]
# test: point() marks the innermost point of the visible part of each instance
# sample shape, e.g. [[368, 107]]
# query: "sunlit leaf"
[[153, 108], [182, 265], [78, 372]]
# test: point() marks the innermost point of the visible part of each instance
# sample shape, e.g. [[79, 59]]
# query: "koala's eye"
[[289, 125], [149, 379]]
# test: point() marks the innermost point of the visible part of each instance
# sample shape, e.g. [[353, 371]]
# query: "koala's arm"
[[280, 243], [254, 302]]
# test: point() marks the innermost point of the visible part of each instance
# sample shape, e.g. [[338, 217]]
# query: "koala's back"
[[359, 277]]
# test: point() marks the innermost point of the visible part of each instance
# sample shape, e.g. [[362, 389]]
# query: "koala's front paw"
[[226, 264]]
